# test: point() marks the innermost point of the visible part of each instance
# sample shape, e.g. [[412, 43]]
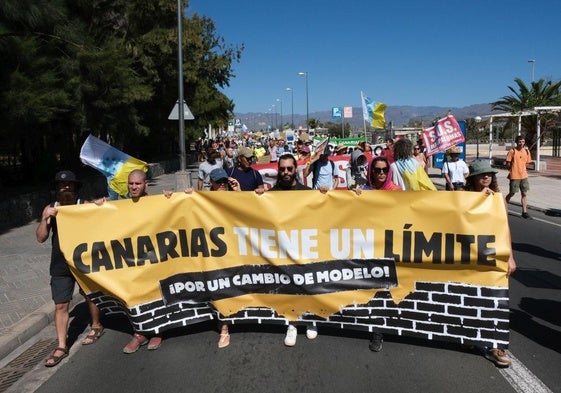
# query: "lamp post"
[[307, 103], [532, 61], [182, 153], [477, 121], [280, 101], [275, 112], [292, 106]]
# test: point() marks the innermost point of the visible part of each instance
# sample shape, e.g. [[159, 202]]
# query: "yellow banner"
[[297, 253]]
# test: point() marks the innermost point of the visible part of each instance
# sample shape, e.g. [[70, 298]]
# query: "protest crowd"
[[263, 164]]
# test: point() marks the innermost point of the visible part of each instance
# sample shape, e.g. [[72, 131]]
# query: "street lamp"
[[275, 111], [533, 61], [292, 106], [182, 153], [307, 103], [477, 121], [280, 101]]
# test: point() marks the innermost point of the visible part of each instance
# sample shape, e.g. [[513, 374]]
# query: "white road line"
[[521, 378], [515, 213]]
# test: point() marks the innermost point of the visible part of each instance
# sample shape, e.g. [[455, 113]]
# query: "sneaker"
[[376, 342], [312, 332], [497, 356], [526, 216], [290, 339]]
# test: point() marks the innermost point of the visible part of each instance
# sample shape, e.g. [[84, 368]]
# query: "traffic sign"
[[174, 114]]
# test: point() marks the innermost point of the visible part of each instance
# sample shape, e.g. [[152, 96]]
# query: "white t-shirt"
[[456, 170]]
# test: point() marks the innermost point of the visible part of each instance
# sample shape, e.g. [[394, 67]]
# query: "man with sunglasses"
[[287, 175], [287, 180]]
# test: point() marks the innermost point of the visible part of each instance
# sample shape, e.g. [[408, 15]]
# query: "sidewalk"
[[25, 300]]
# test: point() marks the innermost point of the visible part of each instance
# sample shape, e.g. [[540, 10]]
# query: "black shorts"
[[62, 288]]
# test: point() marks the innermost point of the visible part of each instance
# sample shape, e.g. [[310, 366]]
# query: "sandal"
[[53, 360], [224, 340], [94, 335], [136, 342], [154, 343]]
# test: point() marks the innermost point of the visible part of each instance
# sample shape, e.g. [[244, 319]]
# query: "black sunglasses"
[[380, 170]]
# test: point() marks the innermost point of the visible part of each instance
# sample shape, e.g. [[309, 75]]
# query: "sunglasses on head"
[[380, 170]]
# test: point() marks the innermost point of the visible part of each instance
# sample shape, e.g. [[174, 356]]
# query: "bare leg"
[[94, 312], [524, 201], [61, 327], [61, 323]]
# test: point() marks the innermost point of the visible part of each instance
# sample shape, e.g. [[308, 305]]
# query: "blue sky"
[[448, 53]]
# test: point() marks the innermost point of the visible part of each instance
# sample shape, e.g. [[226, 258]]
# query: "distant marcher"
[[325, 175], [420, 156], [340, 149], [388, 150], [455, 170], [406, 170], [212, 161], [516, 161], [357, 170]]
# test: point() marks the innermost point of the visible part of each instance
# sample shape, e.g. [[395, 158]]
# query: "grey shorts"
[[62, 288], [519, 184]]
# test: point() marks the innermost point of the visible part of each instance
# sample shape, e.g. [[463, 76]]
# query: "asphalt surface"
[[25, 301]]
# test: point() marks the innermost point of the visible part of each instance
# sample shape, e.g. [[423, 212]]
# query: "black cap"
[[66, 176]]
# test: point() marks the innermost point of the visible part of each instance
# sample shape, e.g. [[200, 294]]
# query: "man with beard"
[[286, 175], [62, 281], [286, 181], [213, 161]]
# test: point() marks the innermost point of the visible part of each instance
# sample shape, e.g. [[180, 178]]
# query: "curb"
[[17, 334]]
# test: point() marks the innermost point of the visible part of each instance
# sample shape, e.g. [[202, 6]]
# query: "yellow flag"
[[378, 119]]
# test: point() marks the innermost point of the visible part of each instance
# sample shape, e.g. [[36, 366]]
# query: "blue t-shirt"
[[249, 179]]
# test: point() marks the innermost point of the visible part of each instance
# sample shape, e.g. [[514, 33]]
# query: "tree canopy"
[[109, 68], [539, 93]]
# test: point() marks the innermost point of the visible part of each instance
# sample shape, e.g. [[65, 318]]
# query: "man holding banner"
[[62, 281]]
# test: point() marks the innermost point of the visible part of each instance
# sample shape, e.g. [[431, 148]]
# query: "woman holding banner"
[[482, 178], [379, 178]]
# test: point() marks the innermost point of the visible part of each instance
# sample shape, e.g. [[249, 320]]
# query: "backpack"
[[315, 173]]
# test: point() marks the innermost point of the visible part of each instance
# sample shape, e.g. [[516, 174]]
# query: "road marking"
[[522, 379], [517, 214]]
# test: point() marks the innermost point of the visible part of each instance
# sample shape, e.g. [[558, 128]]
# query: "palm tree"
[[539, 93]]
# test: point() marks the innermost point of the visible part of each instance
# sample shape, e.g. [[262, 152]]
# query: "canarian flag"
[[412, 175], [113, 163], [372, 112], [378, 119]]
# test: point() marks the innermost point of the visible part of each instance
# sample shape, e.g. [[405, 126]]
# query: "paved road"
[[257, 360]]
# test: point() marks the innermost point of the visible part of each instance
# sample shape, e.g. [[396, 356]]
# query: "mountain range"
[[400, 116]]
